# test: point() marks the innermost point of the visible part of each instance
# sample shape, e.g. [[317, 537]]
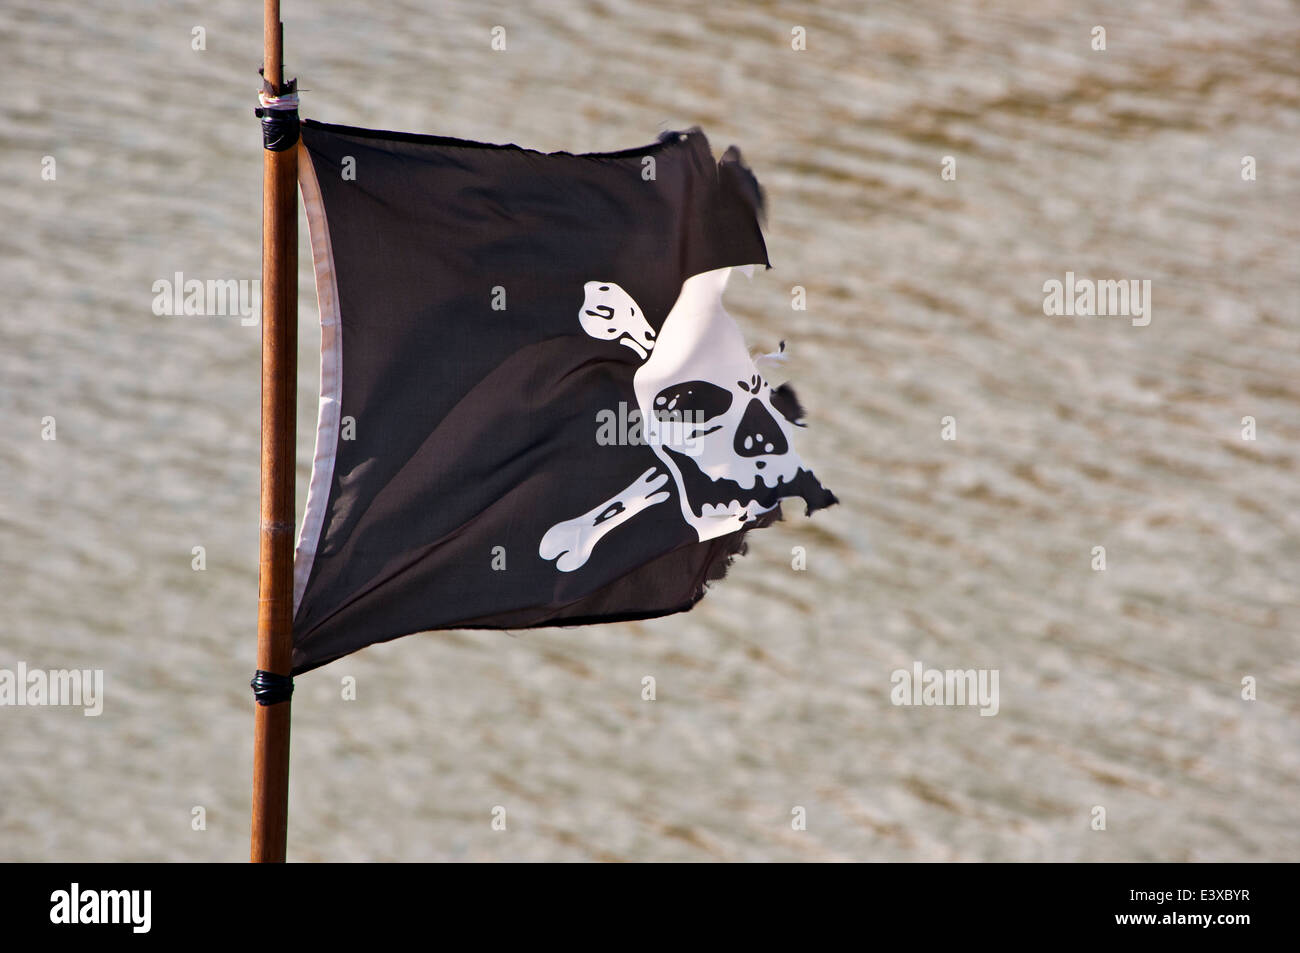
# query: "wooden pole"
[[279, 392]]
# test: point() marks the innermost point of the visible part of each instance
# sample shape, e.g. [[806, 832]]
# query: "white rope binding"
[[287, 101]]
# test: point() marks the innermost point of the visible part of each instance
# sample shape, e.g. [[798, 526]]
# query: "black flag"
[[534, 409]]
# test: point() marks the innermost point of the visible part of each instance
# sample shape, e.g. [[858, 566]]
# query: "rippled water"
[[1118, 688]]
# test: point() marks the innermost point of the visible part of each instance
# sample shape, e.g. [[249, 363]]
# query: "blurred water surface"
[[1118, 688]]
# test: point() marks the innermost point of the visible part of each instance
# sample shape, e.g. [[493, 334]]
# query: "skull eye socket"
[[694, 400]]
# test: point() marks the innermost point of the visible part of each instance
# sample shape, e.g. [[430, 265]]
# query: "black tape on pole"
[[270, 688], [279, 123]]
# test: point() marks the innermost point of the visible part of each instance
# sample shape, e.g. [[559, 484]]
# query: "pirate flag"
[[534, 409]]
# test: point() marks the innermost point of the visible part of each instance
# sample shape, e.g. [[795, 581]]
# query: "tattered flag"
[[534, 408]]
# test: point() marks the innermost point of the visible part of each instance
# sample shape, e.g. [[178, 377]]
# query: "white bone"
[[608, 313], [572, 541]]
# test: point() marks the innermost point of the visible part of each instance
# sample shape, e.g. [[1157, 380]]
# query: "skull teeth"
[[722, 509], [718, 498]]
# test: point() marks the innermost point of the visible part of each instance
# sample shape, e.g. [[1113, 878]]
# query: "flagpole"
[[272, 686]]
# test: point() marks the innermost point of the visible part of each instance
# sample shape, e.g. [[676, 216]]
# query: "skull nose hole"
[[758, 433]]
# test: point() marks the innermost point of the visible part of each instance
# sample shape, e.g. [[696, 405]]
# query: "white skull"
[[709, 417], [706, 412], [609, 313]]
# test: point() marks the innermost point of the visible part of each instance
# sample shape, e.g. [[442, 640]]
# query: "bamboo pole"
[[270, 815]]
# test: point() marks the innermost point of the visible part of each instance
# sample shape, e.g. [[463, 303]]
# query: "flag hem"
[[666, 139], [331, 376], [725, 550]]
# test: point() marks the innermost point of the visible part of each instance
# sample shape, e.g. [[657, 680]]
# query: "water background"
[[1118, 688]]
